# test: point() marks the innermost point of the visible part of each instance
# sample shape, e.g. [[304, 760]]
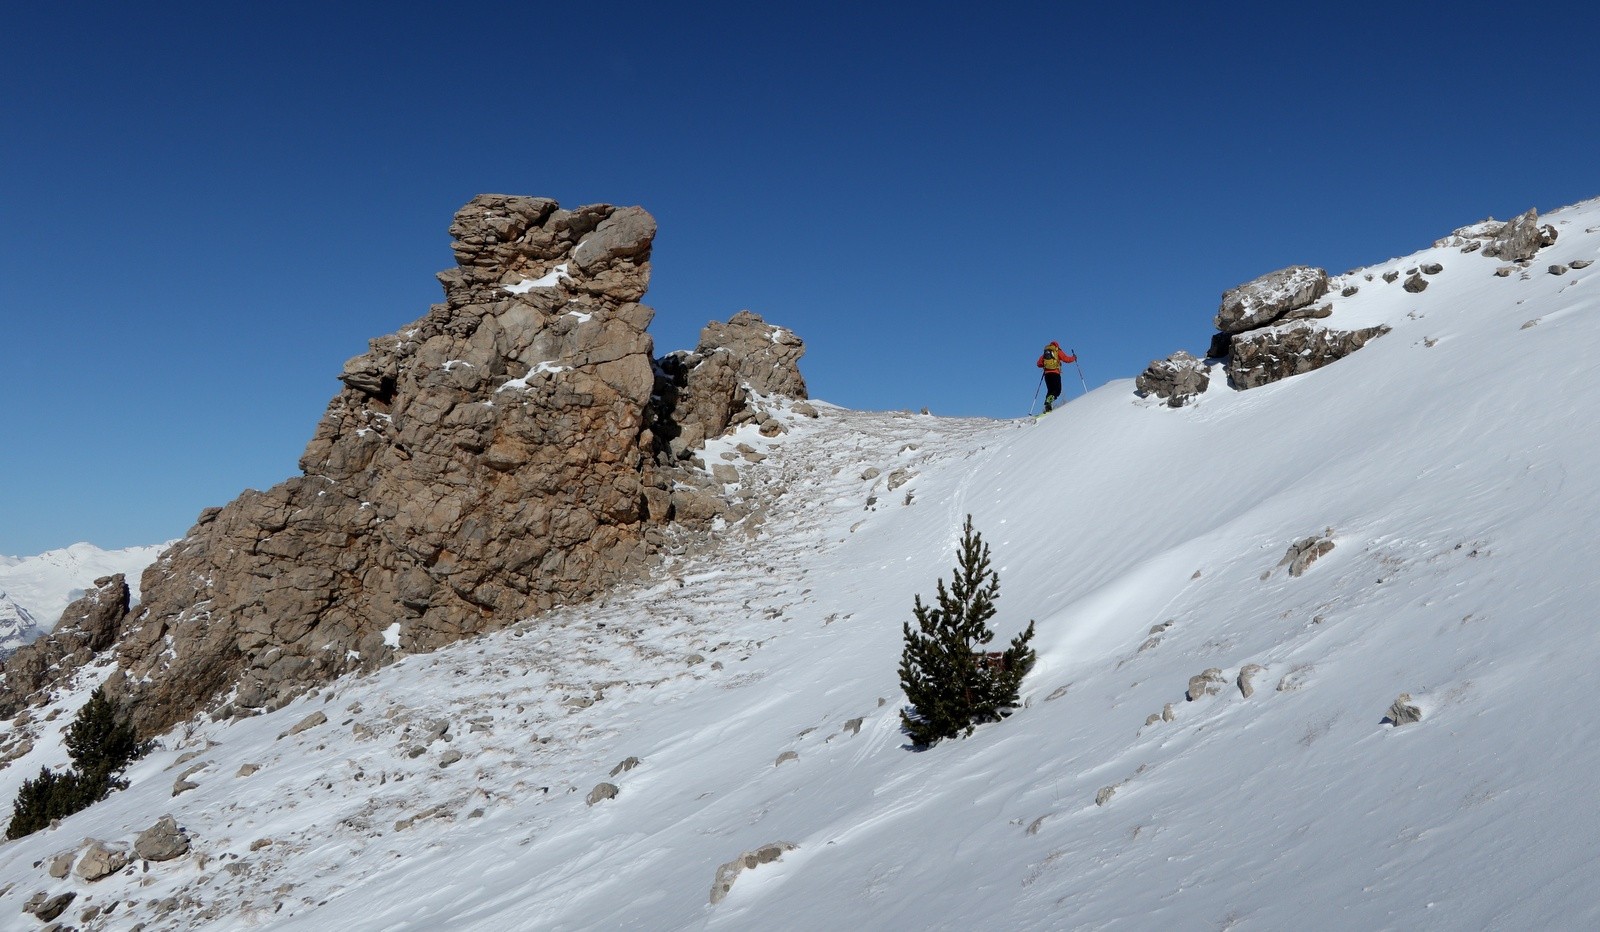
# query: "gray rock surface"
[[727, 873], [1266, 356], [1207, 683], [601, 792], [1519, 239], [101, 861], [1179, 379], [162, 841], [1263, 300], [1304, 552]]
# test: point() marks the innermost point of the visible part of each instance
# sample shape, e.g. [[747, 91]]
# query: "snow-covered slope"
[[1451, 463], [34, 590]]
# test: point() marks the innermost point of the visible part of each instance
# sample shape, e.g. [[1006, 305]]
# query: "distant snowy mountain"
[[35, 590], [1206, 741]]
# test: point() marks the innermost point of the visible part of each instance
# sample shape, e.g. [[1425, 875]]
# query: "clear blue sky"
[[206, 208]]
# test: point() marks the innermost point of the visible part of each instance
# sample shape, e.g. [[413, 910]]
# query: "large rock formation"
[[1261, 301], [1262, 357], [87, 627], [497, 457]]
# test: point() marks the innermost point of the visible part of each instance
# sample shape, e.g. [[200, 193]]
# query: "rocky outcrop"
[[727, 873], [1265, 356], [162, 841], [1304, 552], [505, 453], [1520, 238], [1263, 300], [1178, 378], [87, 627]]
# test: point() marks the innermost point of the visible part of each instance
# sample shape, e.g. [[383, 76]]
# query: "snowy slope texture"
[[34, 590], [1220, 732]]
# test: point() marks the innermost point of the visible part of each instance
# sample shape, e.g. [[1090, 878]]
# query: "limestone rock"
[[727, 873], [1403, 711], [1104, 795], [61, 864], [1519, 239], [1390, 276], [1559, 269], [162, 841], [601, 792], [1304, 552], [1263, 300], [504, 453], [87, 627], [1416, 283], [1266, 356], [1247, 675], [47, 908], [627, 765], [306, 724], [1581, 263], [1178, 378], [101, 861], [1208, 683], [786, 757]]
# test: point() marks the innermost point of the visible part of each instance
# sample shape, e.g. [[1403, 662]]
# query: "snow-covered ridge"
[[746, 696]]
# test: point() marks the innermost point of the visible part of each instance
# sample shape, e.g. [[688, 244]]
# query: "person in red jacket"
[[1050, 361]]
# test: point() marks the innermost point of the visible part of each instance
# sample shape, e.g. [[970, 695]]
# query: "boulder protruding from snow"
[[1403, 711], [1266, 356], [727, 873], [1304, 552], [1263, 300], [1179, 379], [1207, 683], [1520, 238], [162, 841]]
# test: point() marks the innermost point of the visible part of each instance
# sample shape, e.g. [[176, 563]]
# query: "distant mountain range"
[[35, 590]]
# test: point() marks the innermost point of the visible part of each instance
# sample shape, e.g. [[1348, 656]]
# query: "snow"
[[521, 384], [550, 279], [1450, 461]]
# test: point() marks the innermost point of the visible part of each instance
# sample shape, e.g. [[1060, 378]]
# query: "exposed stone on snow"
[[1304, 552], [1104, 795], [1559, 270], [1266, 356], [1432, 268], [1581, 263], [601, 792], [1207, 683], [309, 722], [626, 765], [1263, 300], [1178, 378], [162, 841], [1416, 283], [786, 757], [727, 873], [99, 861], [1403, 711], [1390, 276], [61, 864], [1247, 675], [46, 908], [1520, 238]]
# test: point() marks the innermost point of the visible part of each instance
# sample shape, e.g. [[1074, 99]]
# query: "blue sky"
[[205, 209]]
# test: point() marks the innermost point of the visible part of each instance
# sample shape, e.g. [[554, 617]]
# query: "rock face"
[[162, 841], [1261, 301], [507, 452], [87, 627], [1178, 379], [1266, 356]]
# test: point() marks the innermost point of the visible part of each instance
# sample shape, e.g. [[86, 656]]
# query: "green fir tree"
[[101, 743], [952, 683]]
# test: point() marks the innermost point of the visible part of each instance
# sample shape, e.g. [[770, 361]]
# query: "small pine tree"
[[101, 743], [952, 684]]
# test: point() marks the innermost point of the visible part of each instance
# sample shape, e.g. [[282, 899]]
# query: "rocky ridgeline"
[[1267, 328], [516, 448]]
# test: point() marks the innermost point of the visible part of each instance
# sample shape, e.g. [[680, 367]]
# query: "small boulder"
[[162, 841], [626, 766], [601, 792], [1304, 552], [727, 873], [307, 723], [1432, 268], [1559, 270], [1416, 283], [46, 909], [786, 757], [1519, 239], [1403, 711], [1178, 378], [100, 861], [1208, 683], [1247, 675], [1581, 263]]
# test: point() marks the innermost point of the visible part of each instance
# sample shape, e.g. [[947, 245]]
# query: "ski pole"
[[1079, 367], [1035, 395]]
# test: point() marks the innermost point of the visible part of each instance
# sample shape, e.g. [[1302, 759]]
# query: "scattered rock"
[[1304, 552], [1559, 270], [183, 784], [247, 770], [309, 722], [602, 791], [61, 864], [1105, 794], [727, 873], [1581, 263], [1416, 283], [785, 757], [101, 861], [1179, 379], [1390, 276], [1403, 711], [162, 841], [1247, 675], [1519, 239], [1504, 271], [47, 909], [853, 726], [1167, 713], [1349, 290], [626, 766], [1432, 268], [1208, 683], [449, 757]]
